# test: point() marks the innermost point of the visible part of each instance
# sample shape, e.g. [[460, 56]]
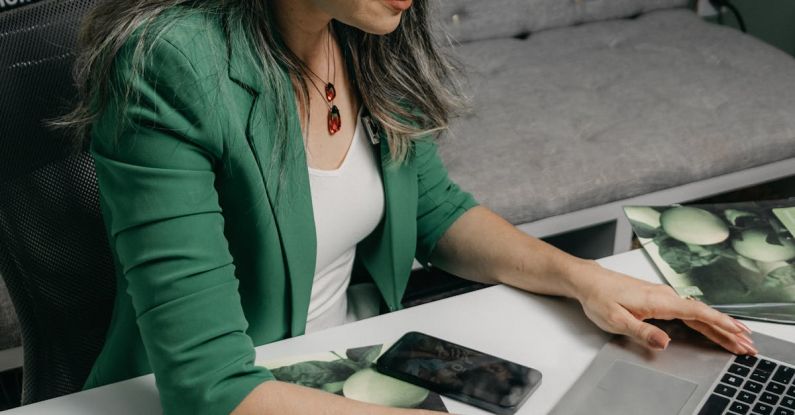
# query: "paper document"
[[739, 258]]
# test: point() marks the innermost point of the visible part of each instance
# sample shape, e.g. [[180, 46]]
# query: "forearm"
[[279, 398], [481, 246]]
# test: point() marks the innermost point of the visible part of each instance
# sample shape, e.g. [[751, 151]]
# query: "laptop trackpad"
[[627, 388]]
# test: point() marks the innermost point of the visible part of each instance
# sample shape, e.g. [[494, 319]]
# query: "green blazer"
[[215, 253]]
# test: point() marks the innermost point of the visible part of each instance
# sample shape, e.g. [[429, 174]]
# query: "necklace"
[[334, 120]]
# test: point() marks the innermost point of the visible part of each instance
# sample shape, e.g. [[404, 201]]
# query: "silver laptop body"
[[626, 378]]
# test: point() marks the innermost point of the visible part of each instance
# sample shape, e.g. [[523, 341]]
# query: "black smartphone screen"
[[458, 372]]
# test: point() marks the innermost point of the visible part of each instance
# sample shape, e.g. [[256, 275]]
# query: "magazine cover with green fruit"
[[352, 374], [738, 257]]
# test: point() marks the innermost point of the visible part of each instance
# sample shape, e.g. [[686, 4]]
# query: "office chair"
[[54, 254]]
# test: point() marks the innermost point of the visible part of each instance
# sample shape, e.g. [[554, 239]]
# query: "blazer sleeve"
[[155, 159], [440, 201]]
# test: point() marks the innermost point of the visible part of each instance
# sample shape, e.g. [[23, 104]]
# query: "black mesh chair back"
[[54, 254]]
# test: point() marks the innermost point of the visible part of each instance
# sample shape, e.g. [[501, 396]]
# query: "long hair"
[[403, 78]]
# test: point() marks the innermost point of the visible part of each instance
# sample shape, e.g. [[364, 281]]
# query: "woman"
[[239, 189]]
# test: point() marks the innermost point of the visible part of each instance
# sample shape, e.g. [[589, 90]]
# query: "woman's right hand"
[[280, 398]]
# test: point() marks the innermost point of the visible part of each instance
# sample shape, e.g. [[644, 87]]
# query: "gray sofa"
[[579, 107]]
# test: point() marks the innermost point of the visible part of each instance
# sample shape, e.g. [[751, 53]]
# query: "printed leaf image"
[[351, 374], [316, 374], [739, 258], [365, 356], [643, 230], [781, 277], [787, 217]]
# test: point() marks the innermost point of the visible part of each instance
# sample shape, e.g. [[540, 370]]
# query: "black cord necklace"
[[334, 120]]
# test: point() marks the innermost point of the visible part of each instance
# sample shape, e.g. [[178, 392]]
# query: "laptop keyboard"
[[753, 385]]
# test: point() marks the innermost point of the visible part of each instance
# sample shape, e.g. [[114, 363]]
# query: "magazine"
[[352, 374], [738, 257]]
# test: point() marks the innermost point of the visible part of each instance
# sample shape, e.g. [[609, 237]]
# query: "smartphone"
[[458, 372]]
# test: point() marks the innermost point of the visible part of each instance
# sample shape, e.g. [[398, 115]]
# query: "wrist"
[[579, 278]]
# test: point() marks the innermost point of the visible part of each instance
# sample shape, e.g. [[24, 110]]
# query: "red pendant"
[[334, 120], [331, 93]]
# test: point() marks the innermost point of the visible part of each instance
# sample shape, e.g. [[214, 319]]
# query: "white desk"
[[549, 334]]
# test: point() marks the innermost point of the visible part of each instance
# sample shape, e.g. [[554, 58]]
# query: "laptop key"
[[746, 360], [746, 397], [768, 398], [791, 391], [788, 402], [776, 388], [725, 390], [763, 408], [739, 408], [739, 370], [784, 374], [752, 386], [766, 365], [760, 375], [714, 405], [783, 411], [732, 380]]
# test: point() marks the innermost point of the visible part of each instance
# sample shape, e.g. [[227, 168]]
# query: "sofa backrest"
[[470, 20]]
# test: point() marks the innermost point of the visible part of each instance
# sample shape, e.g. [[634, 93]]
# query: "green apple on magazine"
[[738, 257], [351, 374]]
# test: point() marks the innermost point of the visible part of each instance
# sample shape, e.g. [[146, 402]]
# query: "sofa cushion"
[[581, 116], [468, 20]]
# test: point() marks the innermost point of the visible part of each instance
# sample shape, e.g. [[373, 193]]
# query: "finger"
[[734, 343], [694, 310], [625, 323], [745, 328], [707, 314]]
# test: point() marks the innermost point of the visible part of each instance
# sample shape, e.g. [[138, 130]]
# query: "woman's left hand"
[[619, 304]]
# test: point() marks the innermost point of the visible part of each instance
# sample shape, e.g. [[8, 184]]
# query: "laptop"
[[693, 376]]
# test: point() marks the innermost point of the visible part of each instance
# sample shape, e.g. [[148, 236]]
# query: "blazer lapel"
[[388, 252], [286, 180]]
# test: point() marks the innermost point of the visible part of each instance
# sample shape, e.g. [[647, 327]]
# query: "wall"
[[773, 21]]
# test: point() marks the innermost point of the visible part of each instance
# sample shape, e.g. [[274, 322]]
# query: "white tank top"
[[348, 204]]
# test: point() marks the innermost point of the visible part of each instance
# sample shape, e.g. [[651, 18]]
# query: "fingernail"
[[742, 327], [751, 349], [658, 344]]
